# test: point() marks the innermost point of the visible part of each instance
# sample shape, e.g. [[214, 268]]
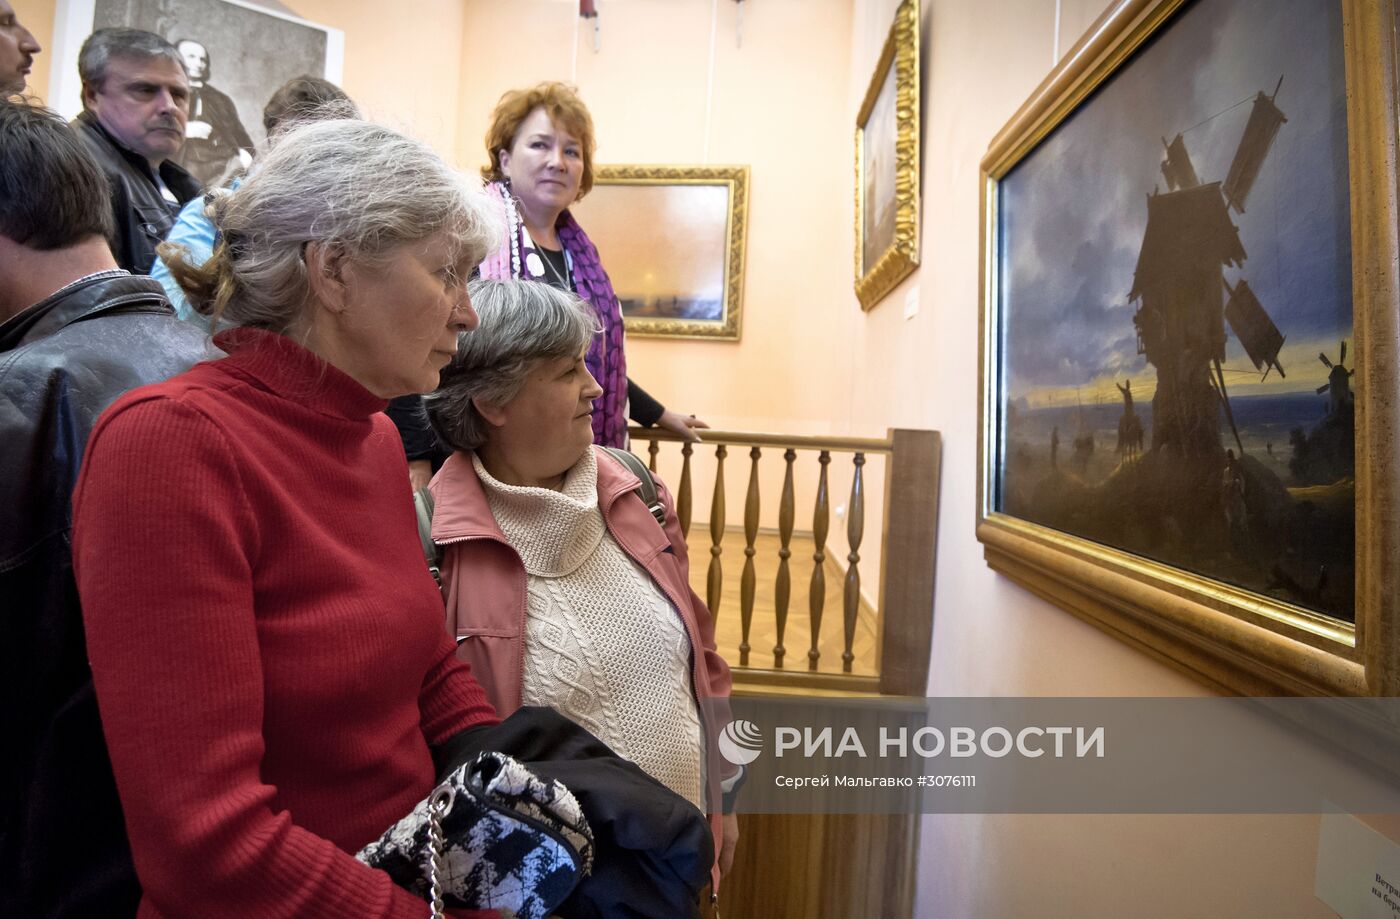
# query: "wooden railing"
[[904, 614]]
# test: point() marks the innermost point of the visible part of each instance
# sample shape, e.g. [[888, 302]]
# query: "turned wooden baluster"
[[653, 449], [683, 499], [821, 516], [855, 529], [716, 577], [746, 582], [783, 587]]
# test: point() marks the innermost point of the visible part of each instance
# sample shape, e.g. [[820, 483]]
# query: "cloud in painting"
[[1075, 209]]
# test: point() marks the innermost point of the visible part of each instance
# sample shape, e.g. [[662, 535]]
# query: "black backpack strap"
[[647, 489], [423, 509]]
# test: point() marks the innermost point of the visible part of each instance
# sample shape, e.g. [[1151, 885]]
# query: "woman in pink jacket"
[[562, 588]]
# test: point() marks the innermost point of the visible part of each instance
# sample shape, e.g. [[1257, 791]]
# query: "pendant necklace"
[[537, 259]]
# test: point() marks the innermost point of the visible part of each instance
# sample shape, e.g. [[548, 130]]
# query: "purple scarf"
[[605, 358]]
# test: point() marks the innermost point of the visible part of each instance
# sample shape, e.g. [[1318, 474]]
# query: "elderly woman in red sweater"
[[266, 646]]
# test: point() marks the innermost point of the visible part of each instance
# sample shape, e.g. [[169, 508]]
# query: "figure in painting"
[[1129, 425], [1232, 499]]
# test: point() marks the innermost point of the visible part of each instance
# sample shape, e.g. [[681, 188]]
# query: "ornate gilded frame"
[[1230, 639], [735, 179], [901, 51]]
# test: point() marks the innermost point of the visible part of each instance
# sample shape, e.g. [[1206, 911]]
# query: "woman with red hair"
[[541, 147]]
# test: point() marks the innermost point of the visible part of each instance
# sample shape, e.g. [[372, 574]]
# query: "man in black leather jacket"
[[75, 333], [135, 104]]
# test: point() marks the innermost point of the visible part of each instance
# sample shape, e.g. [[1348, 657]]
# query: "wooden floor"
[[763, 631]]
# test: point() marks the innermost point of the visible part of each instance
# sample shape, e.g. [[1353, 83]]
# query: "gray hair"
[[131, 44], [351, 185], [522, 324]]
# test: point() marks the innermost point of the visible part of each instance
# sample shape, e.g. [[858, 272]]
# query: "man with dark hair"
[[17, 50], [76, 332], [135, 103], [213, 135]]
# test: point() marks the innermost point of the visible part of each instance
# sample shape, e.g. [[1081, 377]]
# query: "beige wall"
[[811, 362], [777, 108], [777, 105], [990, 637], [402, 61]]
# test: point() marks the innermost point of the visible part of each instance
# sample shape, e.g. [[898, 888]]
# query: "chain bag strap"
[[438, 806]]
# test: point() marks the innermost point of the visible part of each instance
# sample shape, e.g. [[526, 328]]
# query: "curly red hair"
[[561, 102]]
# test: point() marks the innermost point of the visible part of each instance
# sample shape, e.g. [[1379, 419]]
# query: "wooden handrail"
[[750, 439], [903, 625]]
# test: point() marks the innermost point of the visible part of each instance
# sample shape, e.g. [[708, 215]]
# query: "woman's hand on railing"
[[684, 425]]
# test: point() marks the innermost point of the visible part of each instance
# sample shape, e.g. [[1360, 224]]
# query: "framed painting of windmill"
[[1188, 340]]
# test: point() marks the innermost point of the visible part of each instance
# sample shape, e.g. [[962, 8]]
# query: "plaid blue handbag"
[[493, 835]]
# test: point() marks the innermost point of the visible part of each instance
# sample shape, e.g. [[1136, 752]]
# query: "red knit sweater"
[[267, 645]]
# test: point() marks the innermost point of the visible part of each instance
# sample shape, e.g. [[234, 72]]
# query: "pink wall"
[[991, 637], [775, 108]]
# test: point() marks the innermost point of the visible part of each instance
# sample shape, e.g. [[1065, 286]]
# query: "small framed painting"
[[887, 164], [672, 239]]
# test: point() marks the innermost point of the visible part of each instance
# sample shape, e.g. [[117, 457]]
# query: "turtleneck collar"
[[553, 531], [285, 368]]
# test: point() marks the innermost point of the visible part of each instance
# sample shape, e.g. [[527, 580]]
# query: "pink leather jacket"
[[484, 580]]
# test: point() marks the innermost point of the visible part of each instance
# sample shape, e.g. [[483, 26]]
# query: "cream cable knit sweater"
[[603, 644]]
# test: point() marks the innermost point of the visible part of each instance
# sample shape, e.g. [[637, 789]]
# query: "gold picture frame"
[[1232, 639], [673, 240], [887, 164]]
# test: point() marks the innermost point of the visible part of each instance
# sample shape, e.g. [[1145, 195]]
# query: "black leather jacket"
[[143, 217], [63, 849]]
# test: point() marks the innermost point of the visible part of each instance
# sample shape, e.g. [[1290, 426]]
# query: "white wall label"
[[1358, 869], [911, 302]]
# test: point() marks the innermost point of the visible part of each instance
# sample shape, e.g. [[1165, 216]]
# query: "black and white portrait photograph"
[[236, 53]]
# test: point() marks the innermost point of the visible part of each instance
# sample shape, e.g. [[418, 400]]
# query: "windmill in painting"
[[1184, 300], [1338, 385], [1255, 490]]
